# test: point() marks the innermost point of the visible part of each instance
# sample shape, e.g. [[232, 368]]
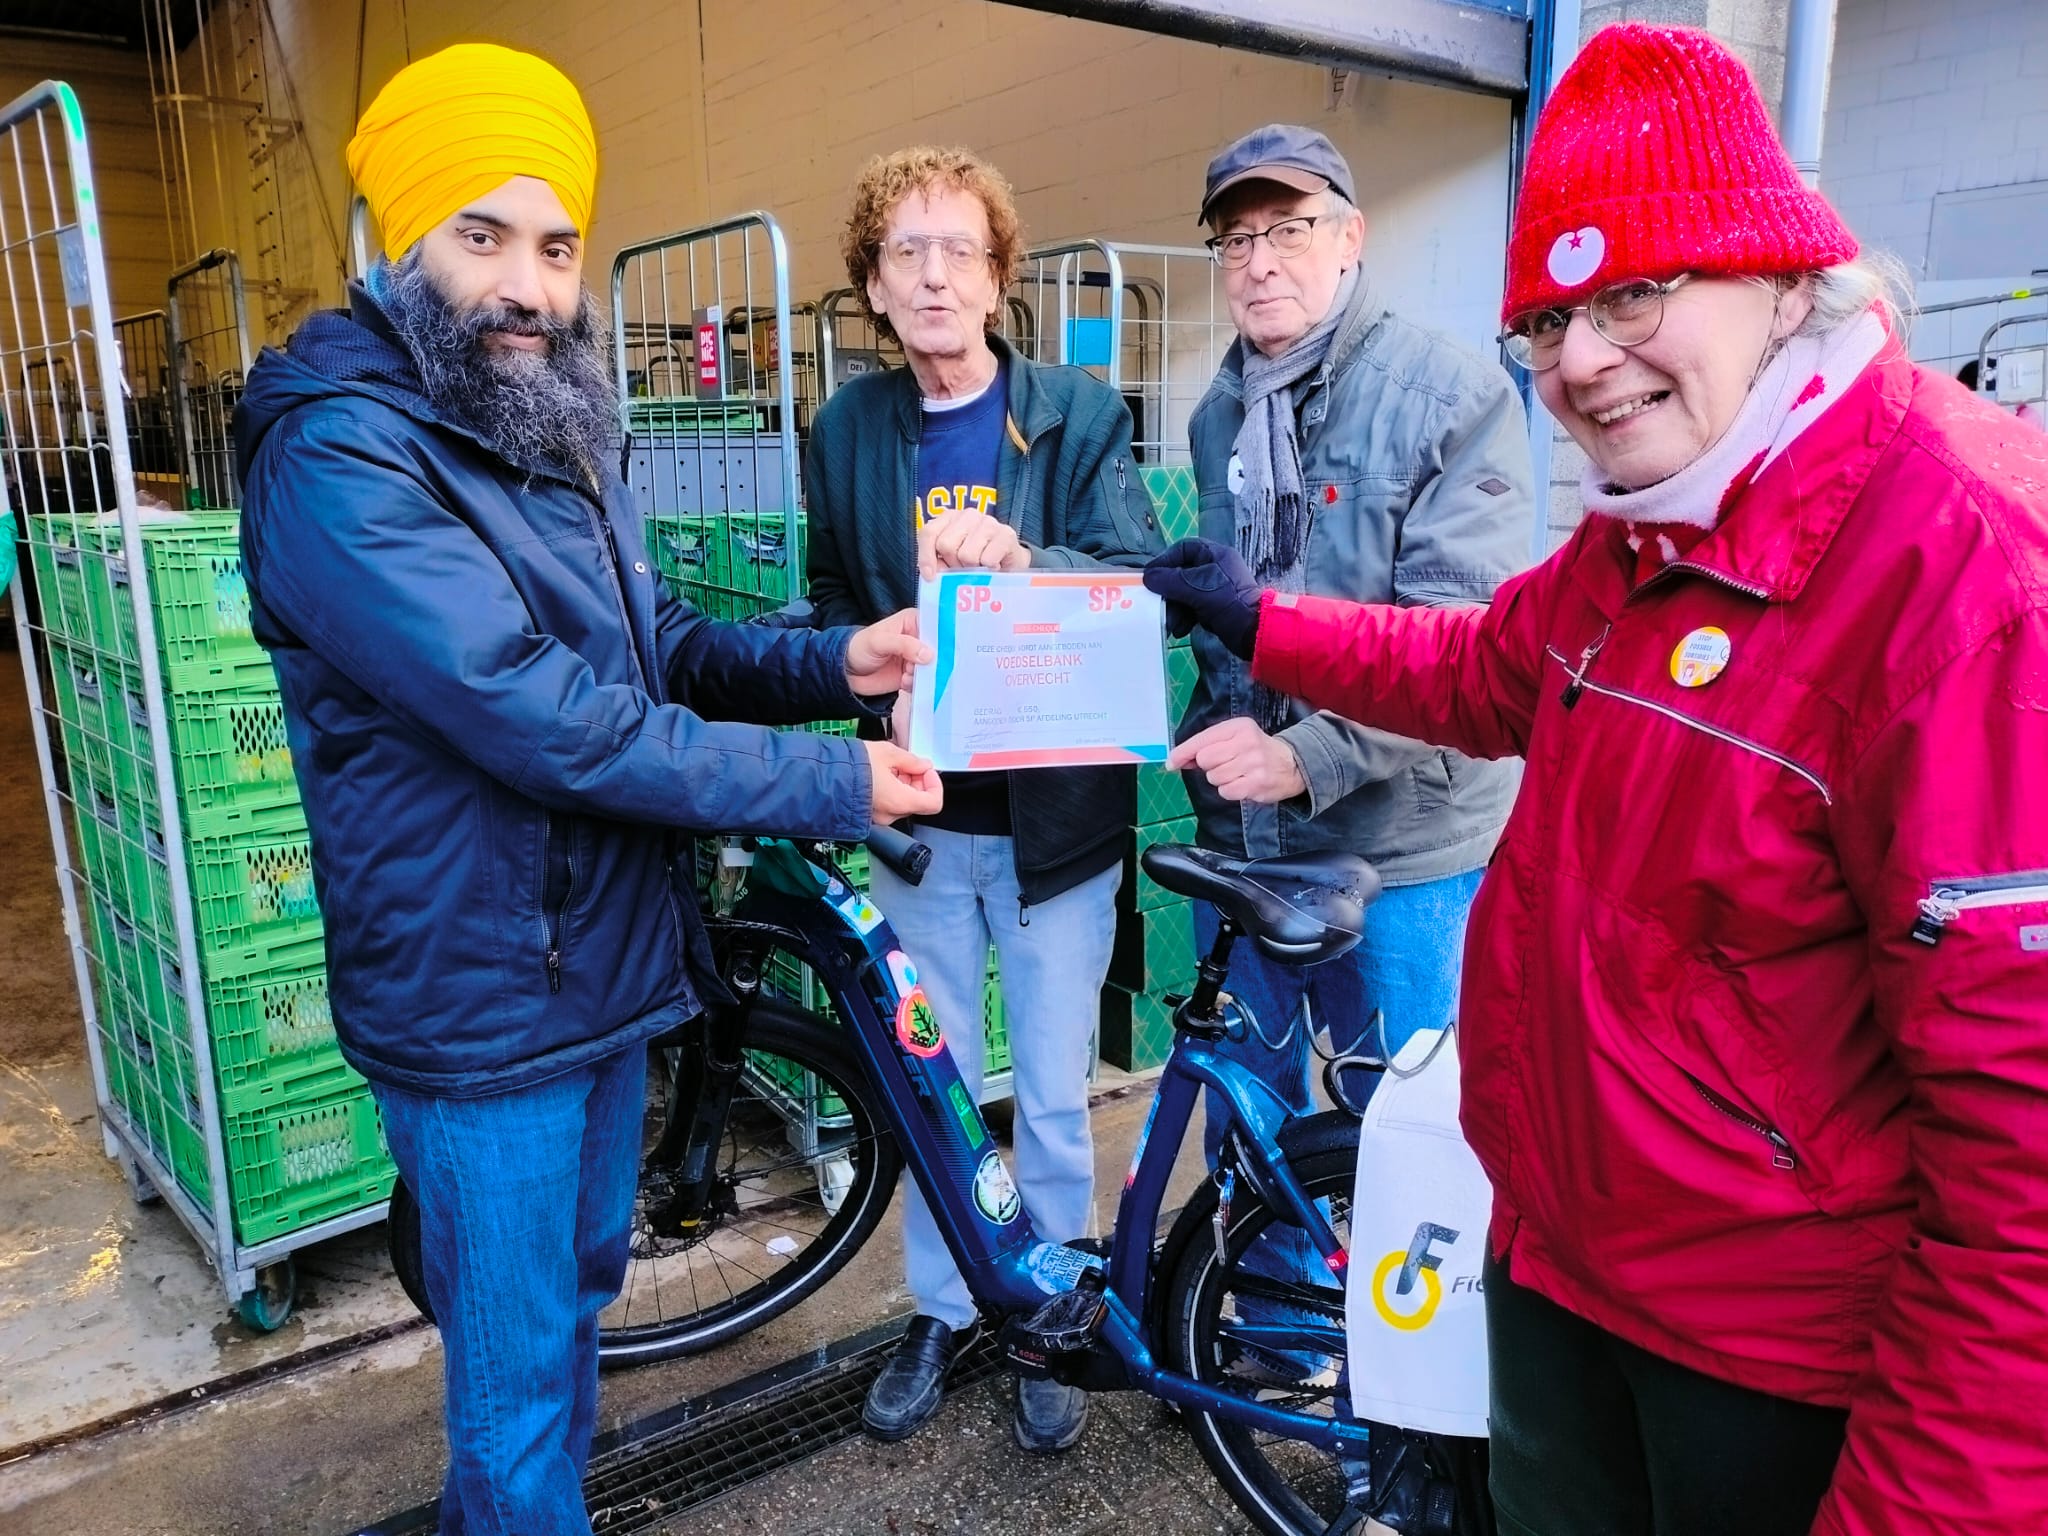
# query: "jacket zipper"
[[1950, 899], [556, 918], [1781, 1149], [601, 525], [1579, 685]]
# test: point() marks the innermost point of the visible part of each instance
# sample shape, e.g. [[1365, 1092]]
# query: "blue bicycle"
[[746, 1207]]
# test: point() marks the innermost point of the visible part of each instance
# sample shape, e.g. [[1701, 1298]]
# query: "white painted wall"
[[1932, 96]]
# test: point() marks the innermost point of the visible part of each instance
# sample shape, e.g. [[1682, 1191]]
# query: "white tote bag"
[[1415, 1317]]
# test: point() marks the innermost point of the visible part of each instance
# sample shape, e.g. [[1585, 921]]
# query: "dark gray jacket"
[[1065, 481], [1415, 455]]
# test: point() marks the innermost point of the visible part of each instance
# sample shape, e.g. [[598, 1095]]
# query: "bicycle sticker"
[[917, 1026], [901, 971], [1138, 1152], [1056, 1268], [968, 1116], [860, 912], [995, 1196]]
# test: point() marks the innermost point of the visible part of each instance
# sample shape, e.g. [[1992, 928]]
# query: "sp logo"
[[1418, 1263]]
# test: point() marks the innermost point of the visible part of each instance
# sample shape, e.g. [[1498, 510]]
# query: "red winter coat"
[[1756, 990]]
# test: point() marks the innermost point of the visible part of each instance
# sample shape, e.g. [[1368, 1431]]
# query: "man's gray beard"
[[554, 412]]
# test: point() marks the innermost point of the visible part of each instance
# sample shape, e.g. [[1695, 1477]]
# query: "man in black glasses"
[[1344, 452]]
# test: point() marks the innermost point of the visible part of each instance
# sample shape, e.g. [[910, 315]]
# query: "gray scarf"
[[1273, 512]]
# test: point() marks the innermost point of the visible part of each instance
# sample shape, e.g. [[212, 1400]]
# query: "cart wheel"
[[266, 1308]]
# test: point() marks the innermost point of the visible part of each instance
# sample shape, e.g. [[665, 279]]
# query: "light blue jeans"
[[526, 1214], [1407, 966], [1053, 959]]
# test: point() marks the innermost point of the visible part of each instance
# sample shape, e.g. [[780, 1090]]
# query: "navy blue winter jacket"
[[501, 724]]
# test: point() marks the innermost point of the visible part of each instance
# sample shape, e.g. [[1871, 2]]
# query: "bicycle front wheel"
[[806, 1168], [1277, 1342]]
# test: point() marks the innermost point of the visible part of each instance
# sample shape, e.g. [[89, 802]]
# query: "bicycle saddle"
[[1301, 908]]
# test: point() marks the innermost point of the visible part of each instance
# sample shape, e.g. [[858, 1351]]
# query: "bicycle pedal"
[[1065, 1325]]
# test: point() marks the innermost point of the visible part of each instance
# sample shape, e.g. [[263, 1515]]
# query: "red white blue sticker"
[[995, 1193]]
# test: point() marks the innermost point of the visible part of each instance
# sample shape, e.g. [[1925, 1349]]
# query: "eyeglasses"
[[1290, 237], [908, 253], [1626, 313]]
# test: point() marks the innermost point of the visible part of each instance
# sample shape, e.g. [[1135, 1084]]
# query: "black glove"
[[1209, 584]]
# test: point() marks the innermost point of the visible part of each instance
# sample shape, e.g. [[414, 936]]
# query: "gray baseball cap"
[[1295, 157]]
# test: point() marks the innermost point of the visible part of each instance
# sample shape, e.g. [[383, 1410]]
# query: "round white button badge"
[[1233, 475], [1701, 657]]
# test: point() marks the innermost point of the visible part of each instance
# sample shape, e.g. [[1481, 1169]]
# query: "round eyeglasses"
[[908, 253], [1626, 313], [1290, 237]]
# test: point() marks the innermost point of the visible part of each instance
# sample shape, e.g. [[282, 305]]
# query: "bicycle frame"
[[950, 1152]]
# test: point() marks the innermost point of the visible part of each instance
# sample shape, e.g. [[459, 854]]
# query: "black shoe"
[[1050, 1417], [912, 1384]]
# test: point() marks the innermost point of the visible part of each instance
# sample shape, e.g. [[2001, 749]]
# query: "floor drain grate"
[[654, 1471]]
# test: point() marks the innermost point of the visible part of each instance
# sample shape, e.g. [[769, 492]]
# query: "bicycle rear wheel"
[[1285, 1487], [805, 1171]]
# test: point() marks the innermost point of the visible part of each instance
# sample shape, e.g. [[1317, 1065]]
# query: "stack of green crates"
[[1155, 943], [729, 565], [302, 1138]]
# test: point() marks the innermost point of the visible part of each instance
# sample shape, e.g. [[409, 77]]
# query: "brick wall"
[[1932, 96]]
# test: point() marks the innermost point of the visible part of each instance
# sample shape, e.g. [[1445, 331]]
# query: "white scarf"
[[1808, 374]]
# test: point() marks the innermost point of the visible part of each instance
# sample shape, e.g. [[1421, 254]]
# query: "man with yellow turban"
[[502, 726]]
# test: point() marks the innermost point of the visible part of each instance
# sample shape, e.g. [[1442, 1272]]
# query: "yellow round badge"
[[1701, 657]]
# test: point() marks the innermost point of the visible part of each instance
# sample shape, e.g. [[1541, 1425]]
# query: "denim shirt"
[[1415, 457]]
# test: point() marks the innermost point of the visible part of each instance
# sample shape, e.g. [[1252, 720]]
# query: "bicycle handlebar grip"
[[900, 851]]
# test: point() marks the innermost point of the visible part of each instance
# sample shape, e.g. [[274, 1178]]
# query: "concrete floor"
[[1134, 1470], [350, 1441]]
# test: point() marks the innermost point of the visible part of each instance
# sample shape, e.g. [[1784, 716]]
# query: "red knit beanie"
[[1655, 156]]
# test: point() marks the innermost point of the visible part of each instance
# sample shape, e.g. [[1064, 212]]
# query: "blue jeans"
[[1052, 968], [1407, 966], [526, 1213]]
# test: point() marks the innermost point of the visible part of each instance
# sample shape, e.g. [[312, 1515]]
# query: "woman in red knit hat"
[[1756, 990]]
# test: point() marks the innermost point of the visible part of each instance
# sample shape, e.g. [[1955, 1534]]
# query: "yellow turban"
[[459, 124]]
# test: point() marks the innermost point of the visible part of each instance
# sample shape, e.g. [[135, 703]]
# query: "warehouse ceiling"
[[119, 23]]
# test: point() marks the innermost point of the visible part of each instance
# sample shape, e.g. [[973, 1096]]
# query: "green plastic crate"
[[59, 566], [252, 878], [1139, 892], [690, 548], [1137, 1030], [199, 595], [95, 696], [1162, 796], [293, 1164], [268, 1018], [230, 741], [759, 563], [1174, 498], [996, 1029], [1155, 951]]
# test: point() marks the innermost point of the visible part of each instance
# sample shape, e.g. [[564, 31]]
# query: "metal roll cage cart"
[[210, 355], [69, 465]]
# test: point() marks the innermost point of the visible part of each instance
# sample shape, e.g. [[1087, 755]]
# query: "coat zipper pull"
[[1781, 1152], [1577, 685], [1937, 910], [554, 970]]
